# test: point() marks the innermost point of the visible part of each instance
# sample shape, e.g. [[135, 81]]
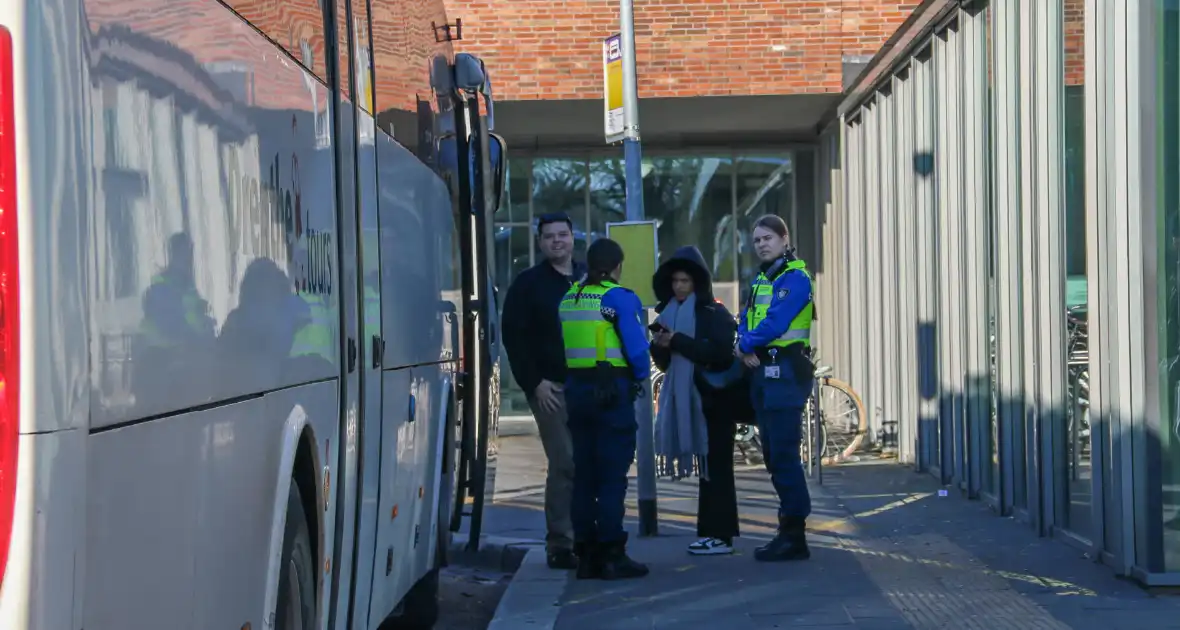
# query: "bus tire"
[[296, 604], [420, 607]]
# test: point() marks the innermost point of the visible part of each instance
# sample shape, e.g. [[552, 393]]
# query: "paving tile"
[[889, 553]]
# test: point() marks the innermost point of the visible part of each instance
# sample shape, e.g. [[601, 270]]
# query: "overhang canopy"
[[680, 123]]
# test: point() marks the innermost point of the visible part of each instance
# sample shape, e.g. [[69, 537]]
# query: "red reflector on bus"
[[9, 299]]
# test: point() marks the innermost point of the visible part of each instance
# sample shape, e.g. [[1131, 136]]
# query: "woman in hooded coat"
[[693, 334]]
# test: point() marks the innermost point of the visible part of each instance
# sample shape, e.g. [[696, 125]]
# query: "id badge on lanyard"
[[773, 370]]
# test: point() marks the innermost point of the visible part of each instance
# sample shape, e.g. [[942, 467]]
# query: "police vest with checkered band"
[[762, 292], [589, 337]]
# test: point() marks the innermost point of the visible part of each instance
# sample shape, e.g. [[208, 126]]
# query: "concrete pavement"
[[887, 552]]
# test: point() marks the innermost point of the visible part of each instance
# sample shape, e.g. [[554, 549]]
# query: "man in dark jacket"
[[536, 355], [709, 348]]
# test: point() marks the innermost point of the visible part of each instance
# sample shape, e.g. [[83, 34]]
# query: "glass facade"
[[707, 200], [1000, 220], [1072, 448], [1168, 246]]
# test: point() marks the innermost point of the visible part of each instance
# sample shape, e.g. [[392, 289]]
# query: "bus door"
[[481, 158], [356, 210]]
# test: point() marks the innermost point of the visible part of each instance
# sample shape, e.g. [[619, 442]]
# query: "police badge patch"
[[783, 293]]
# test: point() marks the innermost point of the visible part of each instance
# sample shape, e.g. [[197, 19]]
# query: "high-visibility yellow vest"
[[761, 293], [196, 316], [589, 338], [316, 338]]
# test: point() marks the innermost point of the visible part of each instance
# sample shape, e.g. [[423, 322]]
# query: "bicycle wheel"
[[843, 420]]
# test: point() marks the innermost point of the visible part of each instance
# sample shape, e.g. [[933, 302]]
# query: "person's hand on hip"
[[546, 395]]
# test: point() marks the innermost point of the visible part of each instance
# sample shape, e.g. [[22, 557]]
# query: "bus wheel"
[[296, 602], [420, 607]]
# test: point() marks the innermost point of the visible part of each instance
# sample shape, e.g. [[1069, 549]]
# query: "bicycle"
[[1077, 385], [843, 424], [1077, 388]]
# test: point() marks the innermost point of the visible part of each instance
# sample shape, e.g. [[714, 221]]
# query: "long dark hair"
[[603, 257]]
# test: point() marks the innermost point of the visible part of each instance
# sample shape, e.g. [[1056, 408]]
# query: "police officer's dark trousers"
[[779, 398], [604, 447]]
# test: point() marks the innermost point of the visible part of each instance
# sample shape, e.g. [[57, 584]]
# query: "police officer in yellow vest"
[[606, 354], [175, 314], [774, 341]]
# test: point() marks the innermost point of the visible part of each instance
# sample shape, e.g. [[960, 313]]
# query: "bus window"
[[363, 54], [295, 25], [391, 66], [405, 48], [343, 63]]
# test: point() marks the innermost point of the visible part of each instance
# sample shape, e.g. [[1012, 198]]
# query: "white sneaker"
[[709, 547]]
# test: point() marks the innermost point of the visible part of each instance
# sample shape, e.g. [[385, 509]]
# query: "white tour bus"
[[247, 336]]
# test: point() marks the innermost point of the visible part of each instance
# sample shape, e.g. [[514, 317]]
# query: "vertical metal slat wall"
[[976, 251], [906, 270], [946, 228]]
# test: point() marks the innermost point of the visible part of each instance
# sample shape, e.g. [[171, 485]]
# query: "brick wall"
[[551, 49]]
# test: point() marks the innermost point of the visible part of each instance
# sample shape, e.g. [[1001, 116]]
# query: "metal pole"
[[807, 425], [633, 168], [817, 433]]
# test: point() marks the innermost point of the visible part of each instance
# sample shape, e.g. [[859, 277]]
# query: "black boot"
[[617, 566], [561, 559], [789, 544], [589, 560]]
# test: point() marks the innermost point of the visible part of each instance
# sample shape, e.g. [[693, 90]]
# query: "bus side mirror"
[[471, 76], [469, 72], [498, 158]]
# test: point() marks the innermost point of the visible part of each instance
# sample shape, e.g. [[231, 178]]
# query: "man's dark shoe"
[[617, 566], [589, 561], [561, 559], [789, 544]]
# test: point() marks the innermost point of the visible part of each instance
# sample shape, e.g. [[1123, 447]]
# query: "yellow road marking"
[[892, 506]]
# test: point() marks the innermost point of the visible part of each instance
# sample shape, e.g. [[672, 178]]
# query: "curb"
[[495, 553], [533, 597], [516, 426]]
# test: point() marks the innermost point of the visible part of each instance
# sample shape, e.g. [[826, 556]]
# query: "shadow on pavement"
[[887, 552]]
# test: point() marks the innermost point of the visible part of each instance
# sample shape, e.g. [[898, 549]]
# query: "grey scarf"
[[681, 435]]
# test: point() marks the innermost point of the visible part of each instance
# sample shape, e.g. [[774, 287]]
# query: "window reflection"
[[1168, 245], [560, 186], [691, 201], [362, 56], [514, 244], [765, 185], [608, 194], [343, 62], [404, 53], [516, 199], [392, 66], [297, 26]]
